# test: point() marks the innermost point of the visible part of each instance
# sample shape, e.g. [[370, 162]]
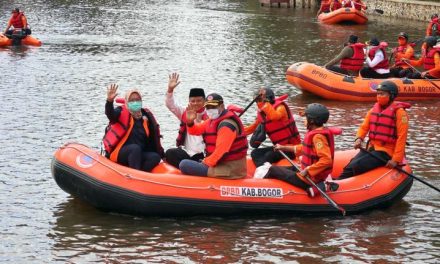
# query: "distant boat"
[[342, 15]]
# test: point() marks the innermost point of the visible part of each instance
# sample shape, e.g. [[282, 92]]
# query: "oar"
[[414, 68], [333, 203], [401, 170], [249, 105]]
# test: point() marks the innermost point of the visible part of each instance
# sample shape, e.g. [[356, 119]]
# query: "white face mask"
[[213, 113]]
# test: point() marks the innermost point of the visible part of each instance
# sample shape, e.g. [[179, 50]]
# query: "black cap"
[[214, 99], [404, 35], [352, 39], [195, 92], [16, 10], [373, 42]]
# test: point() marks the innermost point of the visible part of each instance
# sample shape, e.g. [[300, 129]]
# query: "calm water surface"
[[56, 93]]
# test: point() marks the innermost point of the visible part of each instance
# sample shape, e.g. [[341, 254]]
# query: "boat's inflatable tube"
[[343, 15], [28, 41]]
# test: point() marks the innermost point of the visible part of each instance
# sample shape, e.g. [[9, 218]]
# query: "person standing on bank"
[[133, 137], [226, 143], [387, 127], [275, 115], [351, 58], [188, 146], [377, 61]]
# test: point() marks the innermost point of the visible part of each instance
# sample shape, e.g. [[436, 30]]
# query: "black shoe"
[[331, 186]]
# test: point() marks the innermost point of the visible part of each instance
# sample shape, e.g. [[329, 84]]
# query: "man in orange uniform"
[[226, 143], [317, 152], [19, 22], [351, 58], [275, 115], [430, 60], [403, 51], [387, 127]]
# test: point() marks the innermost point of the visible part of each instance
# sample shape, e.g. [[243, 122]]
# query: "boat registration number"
[[235, 191]]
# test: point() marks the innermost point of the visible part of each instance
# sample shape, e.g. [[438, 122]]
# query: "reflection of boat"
[[85, 174], [343, 15], [28, 40], [331, 85]]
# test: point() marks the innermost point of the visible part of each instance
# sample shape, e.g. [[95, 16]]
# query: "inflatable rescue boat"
[[89, 176], [28, 40], [342, 15], [335, 86]]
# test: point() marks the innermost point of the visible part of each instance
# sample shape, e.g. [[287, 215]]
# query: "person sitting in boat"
[[19, 24], [387, 127], [188, 146], [430, 60], [403, 51], [132, 137], [433, 28], [376, 61], [351, 58], [335, 5], [359, 5], [277, 120], [226, 143], [317, 151], [324, 7]]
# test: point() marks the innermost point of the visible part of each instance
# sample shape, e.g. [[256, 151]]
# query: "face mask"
[[134, 106], [383, 100], [212, 113]]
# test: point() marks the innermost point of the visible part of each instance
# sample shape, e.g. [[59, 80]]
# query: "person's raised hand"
[[173, 81], [191, 115], [112, 90]]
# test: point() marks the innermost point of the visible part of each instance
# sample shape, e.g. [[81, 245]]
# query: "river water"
[[56, 93]]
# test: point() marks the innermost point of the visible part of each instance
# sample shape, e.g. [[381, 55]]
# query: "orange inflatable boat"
[[343, 15], [335, 86], [85, 174], [28, 40]]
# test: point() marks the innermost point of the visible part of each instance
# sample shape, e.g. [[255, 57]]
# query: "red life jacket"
[[282, 131], [325, 6], [355, 62], [383, 122], [180, 140], [402, 50], [16, 20], [433, 28], [384, 63], [115, 132], [309, 155], [239, 146], [336, 5], [428, 62]]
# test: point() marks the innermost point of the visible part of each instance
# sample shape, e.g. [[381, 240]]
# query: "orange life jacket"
[[239, 146], [16, 20], [180, 140], [383, 122], [402, 50], [117, 133], [355, 62], [309, 155], [428, 62], [384, 63], [281, 131]]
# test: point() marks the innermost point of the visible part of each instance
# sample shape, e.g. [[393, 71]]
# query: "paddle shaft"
[[333, 203], [414, 68], [401, 170], [249, 105]]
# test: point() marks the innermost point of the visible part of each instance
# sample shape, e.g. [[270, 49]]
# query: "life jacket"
[[239, 147], [336, 5], [347, 4], [325, 6], [383, 122], [16, 20], [428, 62], [282, 131], [309, 155], [117, 133], [355, 62], [433, 28], [180, 140], [359, 5], [401, 50], [384, 63]]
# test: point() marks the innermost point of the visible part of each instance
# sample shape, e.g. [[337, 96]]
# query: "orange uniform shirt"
[[434, 71], [271, 113]]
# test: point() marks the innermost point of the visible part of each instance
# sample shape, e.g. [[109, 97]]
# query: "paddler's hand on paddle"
[[391, 164], [191, 115], [423, 74], [284, 148], [173, 81], [112, 92], [358, 143]]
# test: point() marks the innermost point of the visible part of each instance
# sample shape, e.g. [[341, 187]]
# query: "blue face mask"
[[134, 106]]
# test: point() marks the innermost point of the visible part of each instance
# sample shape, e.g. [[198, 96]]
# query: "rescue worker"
[[19, 23], [225, 140], [351, 58], [387, 127], [188, 146], [359, 5], [324, 7], [335, 5], [279, 125], [377, 61], [403, 51], [317, 151], [430, 60], [433, 28], [132, 138]]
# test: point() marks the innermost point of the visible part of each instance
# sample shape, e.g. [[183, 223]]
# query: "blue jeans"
[[191, 167]]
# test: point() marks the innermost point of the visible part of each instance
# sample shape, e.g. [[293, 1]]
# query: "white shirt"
[[378, 57], [192, 144]]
